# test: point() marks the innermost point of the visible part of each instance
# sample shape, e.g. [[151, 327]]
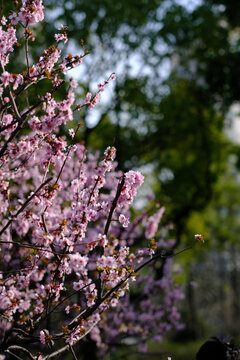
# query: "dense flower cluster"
[[65, 226], [30, 13]]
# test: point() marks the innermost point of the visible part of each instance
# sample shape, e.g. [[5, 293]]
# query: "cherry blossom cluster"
[[7, 41], [70, 248], [150, 316], [31, 12], [92, 100]]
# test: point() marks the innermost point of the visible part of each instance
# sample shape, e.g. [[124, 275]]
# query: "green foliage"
[[191, 145]]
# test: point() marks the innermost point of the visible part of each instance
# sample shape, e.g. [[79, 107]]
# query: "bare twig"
[[24, 333], [11, 353], [27, 352], [73, 353]]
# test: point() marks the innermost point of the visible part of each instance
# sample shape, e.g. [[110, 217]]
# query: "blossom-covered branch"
[[70, 246]]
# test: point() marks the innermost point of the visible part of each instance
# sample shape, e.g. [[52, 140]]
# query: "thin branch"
[[25, 333], [11, 97], [11, 137], [114, 204], [36, 247], [52, 91], [14, 271], [11, 353], [88, 203], [27, 55], [24, 162], [90, 311], [63, 300], [44, 224], [79, 175], [17, 347], [22, 118], [160, 255], [5, 127], [77, 317], [24, 205], [56, 353], [73, 353], [64, 162]]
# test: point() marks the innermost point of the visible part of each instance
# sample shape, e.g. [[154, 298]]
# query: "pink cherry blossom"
[[69, 243]]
